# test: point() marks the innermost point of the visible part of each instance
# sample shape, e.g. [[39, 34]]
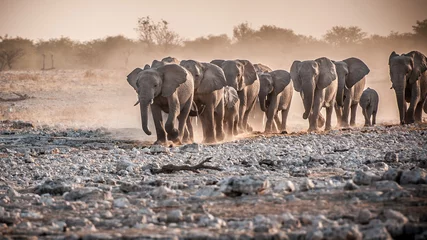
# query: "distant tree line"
[[270, 44]]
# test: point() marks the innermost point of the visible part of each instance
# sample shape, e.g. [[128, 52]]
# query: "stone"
[[365, 178], [350, 186], [175, 216], [387, 185], [25, 225], [306, 185], [395, 215], [415, 176], [97, 236], [208, 220], [157, 149], [284, 186], [163, 192], [391, 157], [191, 148], [79, 224], [364, 216], [124, 165], [392, 175], [342, 232], [12, 193], [53, 187], [289, 221], [376, 233], [88, 193], [209, 191], [249, 185], [121, 202]]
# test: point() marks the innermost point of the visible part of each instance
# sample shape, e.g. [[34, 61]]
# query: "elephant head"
[[272, 83], [239, 73], [310, 75], [207, 76], [150, 83], [164, 61], [405, 69], [230, 97], [349, 71], [170, 60], [261, 68]]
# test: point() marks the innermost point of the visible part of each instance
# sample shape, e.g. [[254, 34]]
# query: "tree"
[[157, 34], [343, 36], [243, 32], [11, 50], [420, 29]]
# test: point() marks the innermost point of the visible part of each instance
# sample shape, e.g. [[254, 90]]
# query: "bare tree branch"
[[170, 168]]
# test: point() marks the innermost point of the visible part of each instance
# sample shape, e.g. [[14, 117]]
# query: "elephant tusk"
[[152, 101], [136, 103]]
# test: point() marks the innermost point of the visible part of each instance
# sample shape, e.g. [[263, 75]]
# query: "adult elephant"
[[351, 83], [241, 75], [316, 81], [164, 61], [209, 83], [168, 88], [261, 68], [409, 81], [275, 95]]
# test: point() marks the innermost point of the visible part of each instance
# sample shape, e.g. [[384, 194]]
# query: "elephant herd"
[[223, 94]]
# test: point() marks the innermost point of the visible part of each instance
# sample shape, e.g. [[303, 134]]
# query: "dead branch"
[[170, 168], [19, 98]]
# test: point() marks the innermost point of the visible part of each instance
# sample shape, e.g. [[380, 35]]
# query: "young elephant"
[[369, 104], [275, 95], [168, 88], [231, 116]]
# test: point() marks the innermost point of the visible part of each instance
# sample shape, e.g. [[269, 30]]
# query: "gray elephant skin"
[[209, 83], [231, 115], [164, 61], [169, 89], [351, 82], [241, 75], [261, 68], [275, 94], [369, 103], [316, 81], [409, 81]]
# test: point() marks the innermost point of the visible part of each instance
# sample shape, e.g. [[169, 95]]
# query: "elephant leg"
[[158, 124], [419, 112], [270, 125], [328, 125], [415, 98], [345, 112], [277, 122], [366, 116], [188, 134], [242, 110], [320, 120], [285, 113], [235, 124], [208, 124], [249, 109], [374, 117], [338, 112], [353, 114], [219, 119], [314, 116], [182, 120], [174, 110]]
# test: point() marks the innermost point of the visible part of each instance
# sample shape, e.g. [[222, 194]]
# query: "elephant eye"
[[155, 85]]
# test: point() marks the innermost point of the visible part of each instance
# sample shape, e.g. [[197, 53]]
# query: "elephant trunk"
[[400, 97], [340, 93], [143, 106], [308, 98], [262, 99]]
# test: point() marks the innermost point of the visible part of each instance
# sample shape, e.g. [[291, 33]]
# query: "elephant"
[[275, 95], [241, 75], [316, 81], [261, 68], [409, 81], [169, 89], [351, 82], [164, 61], [369, 104], [209, 83], [231, 116]]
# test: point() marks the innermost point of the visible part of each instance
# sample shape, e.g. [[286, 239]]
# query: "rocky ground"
[[365, 183]]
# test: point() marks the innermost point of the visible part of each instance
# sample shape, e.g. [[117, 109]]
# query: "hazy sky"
[[90, 19]]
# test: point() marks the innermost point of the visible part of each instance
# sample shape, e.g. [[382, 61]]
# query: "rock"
[[156, 149], [365, 178], [174, 216], [395, 215], [31, 215], [387, 185], [350, 186], [289, 221], [24, 225], [12, 193], [53, 187], [306, 185], [28, 159], [209, 191], [236, 186], [88, 193], [376, 233], [285, 186], [342, 232], [364, 216], [79, 224], [191, 148], [97, 236], [381, 166], [415, 176], [391, 157], [264, 224], [124, 165], [47, 199], [208, 220], [163, 192], [121, 202], [392, 175], [315, 235]]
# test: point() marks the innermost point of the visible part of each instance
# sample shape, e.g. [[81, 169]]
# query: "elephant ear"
[[170, 60], [213, 79], [357, 70], [173, 75], [231, 97], [419, 67], [217, 62], [249, 73], [156, 64], [392, 55], [296, 66], [133, 77], [146, 67], [327, 72], [281, 79]]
